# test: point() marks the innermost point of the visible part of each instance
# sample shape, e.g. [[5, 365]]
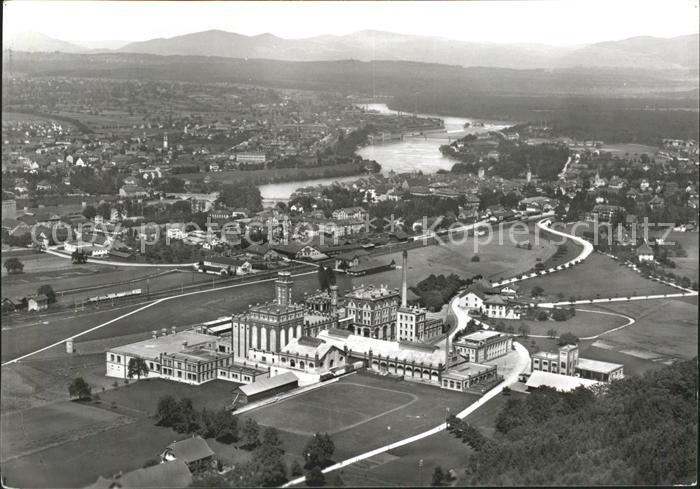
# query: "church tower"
[[165, 142], [283, 288], [529, 174]]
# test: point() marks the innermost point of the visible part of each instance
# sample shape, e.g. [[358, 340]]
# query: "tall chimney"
[[404, 273], [334, 298]]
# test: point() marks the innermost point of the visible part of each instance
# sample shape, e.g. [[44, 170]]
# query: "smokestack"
[[404, 273], [334, 298]]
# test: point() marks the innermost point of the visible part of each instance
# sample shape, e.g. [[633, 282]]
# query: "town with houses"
[[220, 284]]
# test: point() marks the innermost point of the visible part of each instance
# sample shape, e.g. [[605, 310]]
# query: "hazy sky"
[[549, 22]]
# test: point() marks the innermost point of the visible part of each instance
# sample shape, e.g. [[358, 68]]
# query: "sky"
[[556, 22]]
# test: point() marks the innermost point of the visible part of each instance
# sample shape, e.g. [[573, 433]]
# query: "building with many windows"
[[187, 356], [482, 346], [373, 311]]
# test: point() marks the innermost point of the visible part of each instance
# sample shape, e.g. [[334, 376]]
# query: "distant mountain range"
[[638, 52]]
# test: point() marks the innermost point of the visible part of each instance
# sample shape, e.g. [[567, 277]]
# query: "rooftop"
[[169, 344], [481, 336], [597, 365], [564, 383], [263, 385], [467, 370], [372, 292], [191, 449]]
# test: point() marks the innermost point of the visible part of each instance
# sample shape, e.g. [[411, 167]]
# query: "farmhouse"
[[192, 451], [38, 303], [483, 346], [645, 253], [168, 474]]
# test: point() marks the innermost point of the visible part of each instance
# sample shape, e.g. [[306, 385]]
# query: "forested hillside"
[[638, 431]]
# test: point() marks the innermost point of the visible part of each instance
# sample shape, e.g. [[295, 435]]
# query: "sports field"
[[375, 411], [335, 408]]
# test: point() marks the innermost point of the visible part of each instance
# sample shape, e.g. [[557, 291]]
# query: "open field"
[[495, 260], [18, 117], [400, 467], [685, 266], [631, 149], [31, 430], [597, 276], [664, 328], [583, 324], [383, 417], [80, 462]]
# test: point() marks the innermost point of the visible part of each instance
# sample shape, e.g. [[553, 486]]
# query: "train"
[[115, 295]]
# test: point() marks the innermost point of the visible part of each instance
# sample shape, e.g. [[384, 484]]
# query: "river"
[[410, 154]]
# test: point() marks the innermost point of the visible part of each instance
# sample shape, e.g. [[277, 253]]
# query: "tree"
[[559, 315], [552, 333], [315, 477], [167, 411], [47, 290], [137, 367], [524, 330], [271, 441], [89, 212], [250, 434], [438, 477], [78, 257], [13, 265], [336, 480], [567, 339], [296, 469], [80, 389], [536, 291], [475, 258], [318, 451]]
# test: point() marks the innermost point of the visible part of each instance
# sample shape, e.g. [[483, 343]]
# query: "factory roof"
[[597, 365], [564, 383], [465, 371], [168, 344]]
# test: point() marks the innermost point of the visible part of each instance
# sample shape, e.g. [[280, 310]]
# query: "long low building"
[[566, 361], [265, 388], [187, 356], [467, 375], [563, 383]]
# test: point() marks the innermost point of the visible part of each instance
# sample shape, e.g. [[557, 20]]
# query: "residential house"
[[38, 302]]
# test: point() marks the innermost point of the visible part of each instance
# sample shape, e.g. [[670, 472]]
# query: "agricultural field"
[[685, 266], [630, 149], [495, 260], [597, 276], [18, 117], [583, 324], [274, 175]]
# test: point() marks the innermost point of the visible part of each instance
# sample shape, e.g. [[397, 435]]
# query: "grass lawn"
[[598, 275], [142, 396], [685, 266], [583, 324], [400, 467], [495, 260], [379, 425]]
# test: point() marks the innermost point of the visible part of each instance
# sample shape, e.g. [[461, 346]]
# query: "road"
[[51, 251]]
